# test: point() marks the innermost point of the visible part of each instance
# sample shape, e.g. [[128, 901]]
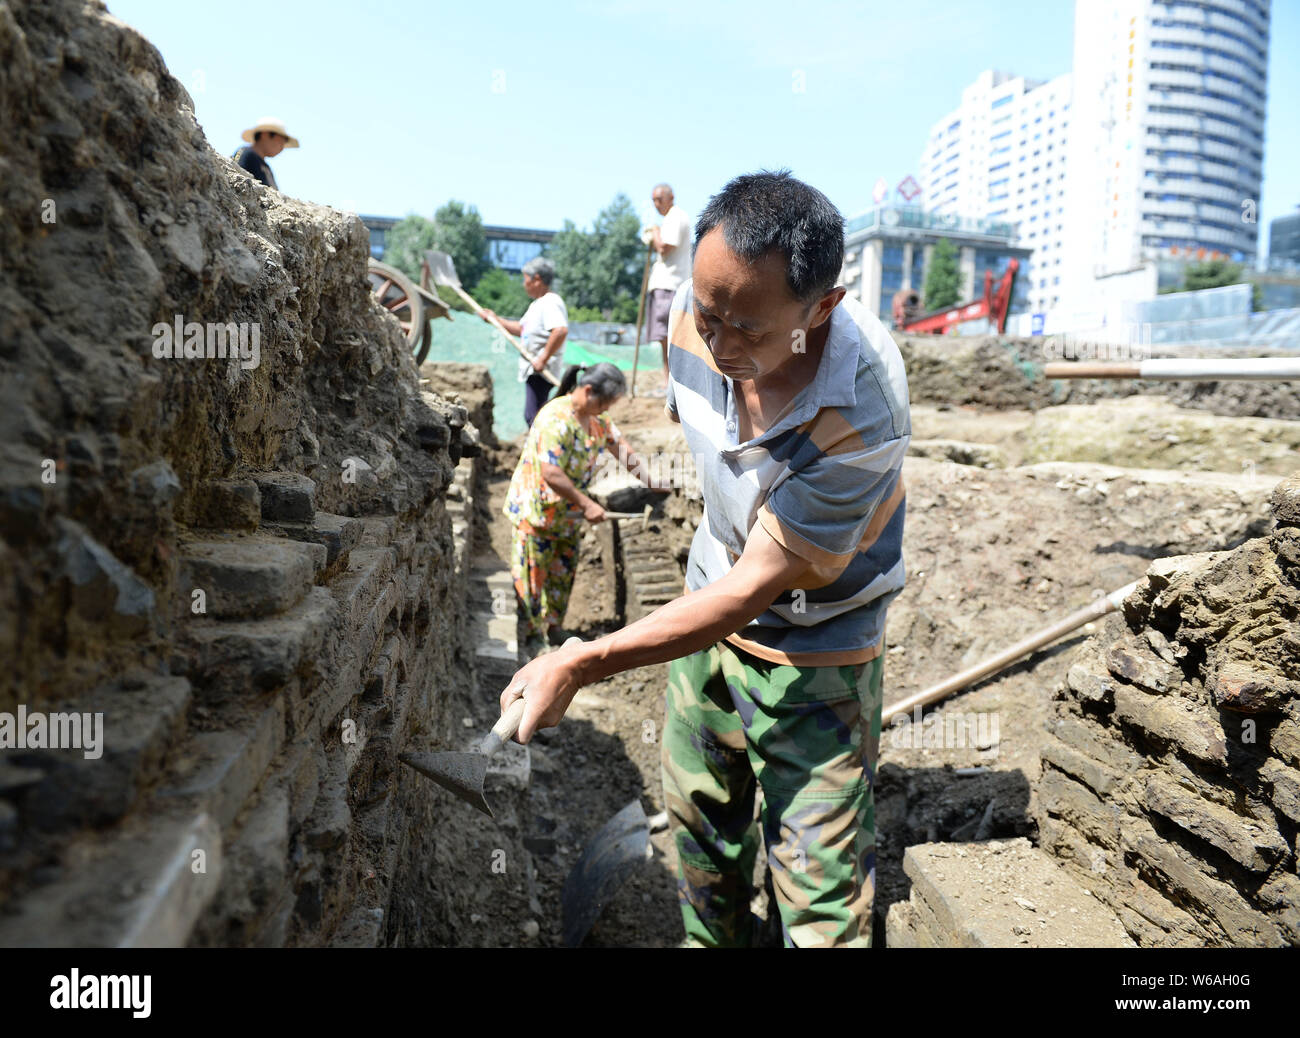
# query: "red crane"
[[994, 305]]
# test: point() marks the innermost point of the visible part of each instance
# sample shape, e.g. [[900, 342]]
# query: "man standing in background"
[[672, 241]]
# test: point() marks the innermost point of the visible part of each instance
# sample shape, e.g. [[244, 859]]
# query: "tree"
[[459, 233], [601, 268], [624, 309], [1213, 273], [455, 229], [584, 314], [1217, 273], [405, 243], [942, 278], [504, 293]]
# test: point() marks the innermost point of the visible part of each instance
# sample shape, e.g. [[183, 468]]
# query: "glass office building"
[[889, 248]]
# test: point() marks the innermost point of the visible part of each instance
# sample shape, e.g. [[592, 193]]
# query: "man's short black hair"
[[759, 212]]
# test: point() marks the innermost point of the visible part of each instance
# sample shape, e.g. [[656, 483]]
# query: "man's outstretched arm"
[[683, 626]]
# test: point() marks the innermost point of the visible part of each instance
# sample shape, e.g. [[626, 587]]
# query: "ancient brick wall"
[[252, 568], [1171, 775]]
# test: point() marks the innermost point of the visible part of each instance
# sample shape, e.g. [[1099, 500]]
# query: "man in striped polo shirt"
[[793, 400]]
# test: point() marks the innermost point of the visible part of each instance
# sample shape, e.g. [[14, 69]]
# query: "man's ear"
[[827, 303]]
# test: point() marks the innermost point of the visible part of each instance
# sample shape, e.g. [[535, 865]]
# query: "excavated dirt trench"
[[266, 729], [992, 554]]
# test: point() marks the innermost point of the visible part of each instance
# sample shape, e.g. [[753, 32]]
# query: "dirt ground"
[[992, 555]]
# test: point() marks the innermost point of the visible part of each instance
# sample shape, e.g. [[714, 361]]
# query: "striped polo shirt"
[[826, 481]]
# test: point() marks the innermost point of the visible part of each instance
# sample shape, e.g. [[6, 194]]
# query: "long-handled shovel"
[[999, 662], [463, 773], [443, 271], [615, 852], [640, 314]]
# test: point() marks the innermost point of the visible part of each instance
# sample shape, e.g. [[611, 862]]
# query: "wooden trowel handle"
[[505, 728]]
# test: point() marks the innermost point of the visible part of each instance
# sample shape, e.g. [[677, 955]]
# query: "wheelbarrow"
[[414, 306]]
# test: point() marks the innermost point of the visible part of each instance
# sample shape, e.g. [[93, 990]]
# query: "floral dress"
[[545, 550]]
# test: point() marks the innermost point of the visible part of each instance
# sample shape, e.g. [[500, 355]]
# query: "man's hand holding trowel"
[[679, 628], [548, 685]]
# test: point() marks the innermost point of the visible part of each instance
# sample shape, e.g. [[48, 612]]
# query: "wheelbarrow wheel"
[[397, 294]]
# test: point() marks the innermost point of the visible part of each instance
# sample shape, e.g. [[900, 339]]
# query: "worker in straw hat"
[[266, 140]]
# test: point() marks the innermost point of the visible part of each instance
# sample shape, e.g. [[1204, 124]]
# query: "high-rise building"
[[1284, 241], [1166, 135], [1001, 157], [1149, 153]]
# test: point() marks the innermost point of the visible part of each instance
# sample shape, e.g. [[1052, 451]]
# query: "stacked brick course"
[[1171, 777]]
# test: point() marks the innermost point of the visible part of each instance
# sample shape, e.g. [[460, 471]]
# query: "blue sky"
[[537, 112]]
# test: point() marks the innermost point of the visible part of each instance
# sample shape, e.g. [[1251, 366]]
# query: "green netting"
[[467, 339], [578, 352]]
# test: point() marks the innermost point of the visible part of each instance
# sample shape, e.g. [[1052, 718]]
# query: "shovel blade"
[[611, 856], [442, 268], [458, 773]]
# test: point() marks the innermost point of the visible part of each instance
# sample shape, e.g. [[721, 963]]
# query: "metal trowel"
[[463, 773]]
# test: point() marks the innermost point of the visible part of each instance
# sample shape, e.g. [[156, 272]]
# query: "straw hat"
[[274, 126]]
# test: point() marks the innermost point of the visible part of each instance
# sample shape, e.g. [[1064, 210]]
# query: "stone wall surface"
[[1171, 772], [469, 385], [248, 567]]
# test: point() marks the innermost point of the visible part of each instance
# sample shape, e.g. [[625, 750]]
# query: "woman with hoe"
[[547, 502]]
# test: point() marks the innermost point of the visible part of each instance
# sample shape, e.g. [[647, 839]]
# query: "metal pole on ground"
[[1263, 369]]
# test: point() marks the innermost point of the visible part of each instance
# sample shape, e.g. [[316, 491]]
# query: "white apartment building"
[[1167, 141], [1001, 157], [1147, 154]]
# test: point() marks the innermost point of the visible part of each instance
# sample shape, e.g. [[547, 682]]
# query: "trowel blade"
[[458, 773]]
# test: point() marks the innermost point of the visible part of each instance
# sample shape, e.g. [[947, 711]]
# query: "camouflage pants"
[[543, 564], [808, 737]]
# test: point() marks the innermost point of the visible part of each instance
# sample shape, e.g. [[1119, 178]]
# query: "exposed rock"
[[186, 360], [469, 385], [1174, 742], [231, 504], [1249, 688], [286, 496], [104, 590], [1286, 500], [157, 482]]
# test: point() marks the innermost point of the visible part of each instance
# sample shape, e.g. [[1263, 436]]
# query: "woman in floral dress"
[[547, 502]]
